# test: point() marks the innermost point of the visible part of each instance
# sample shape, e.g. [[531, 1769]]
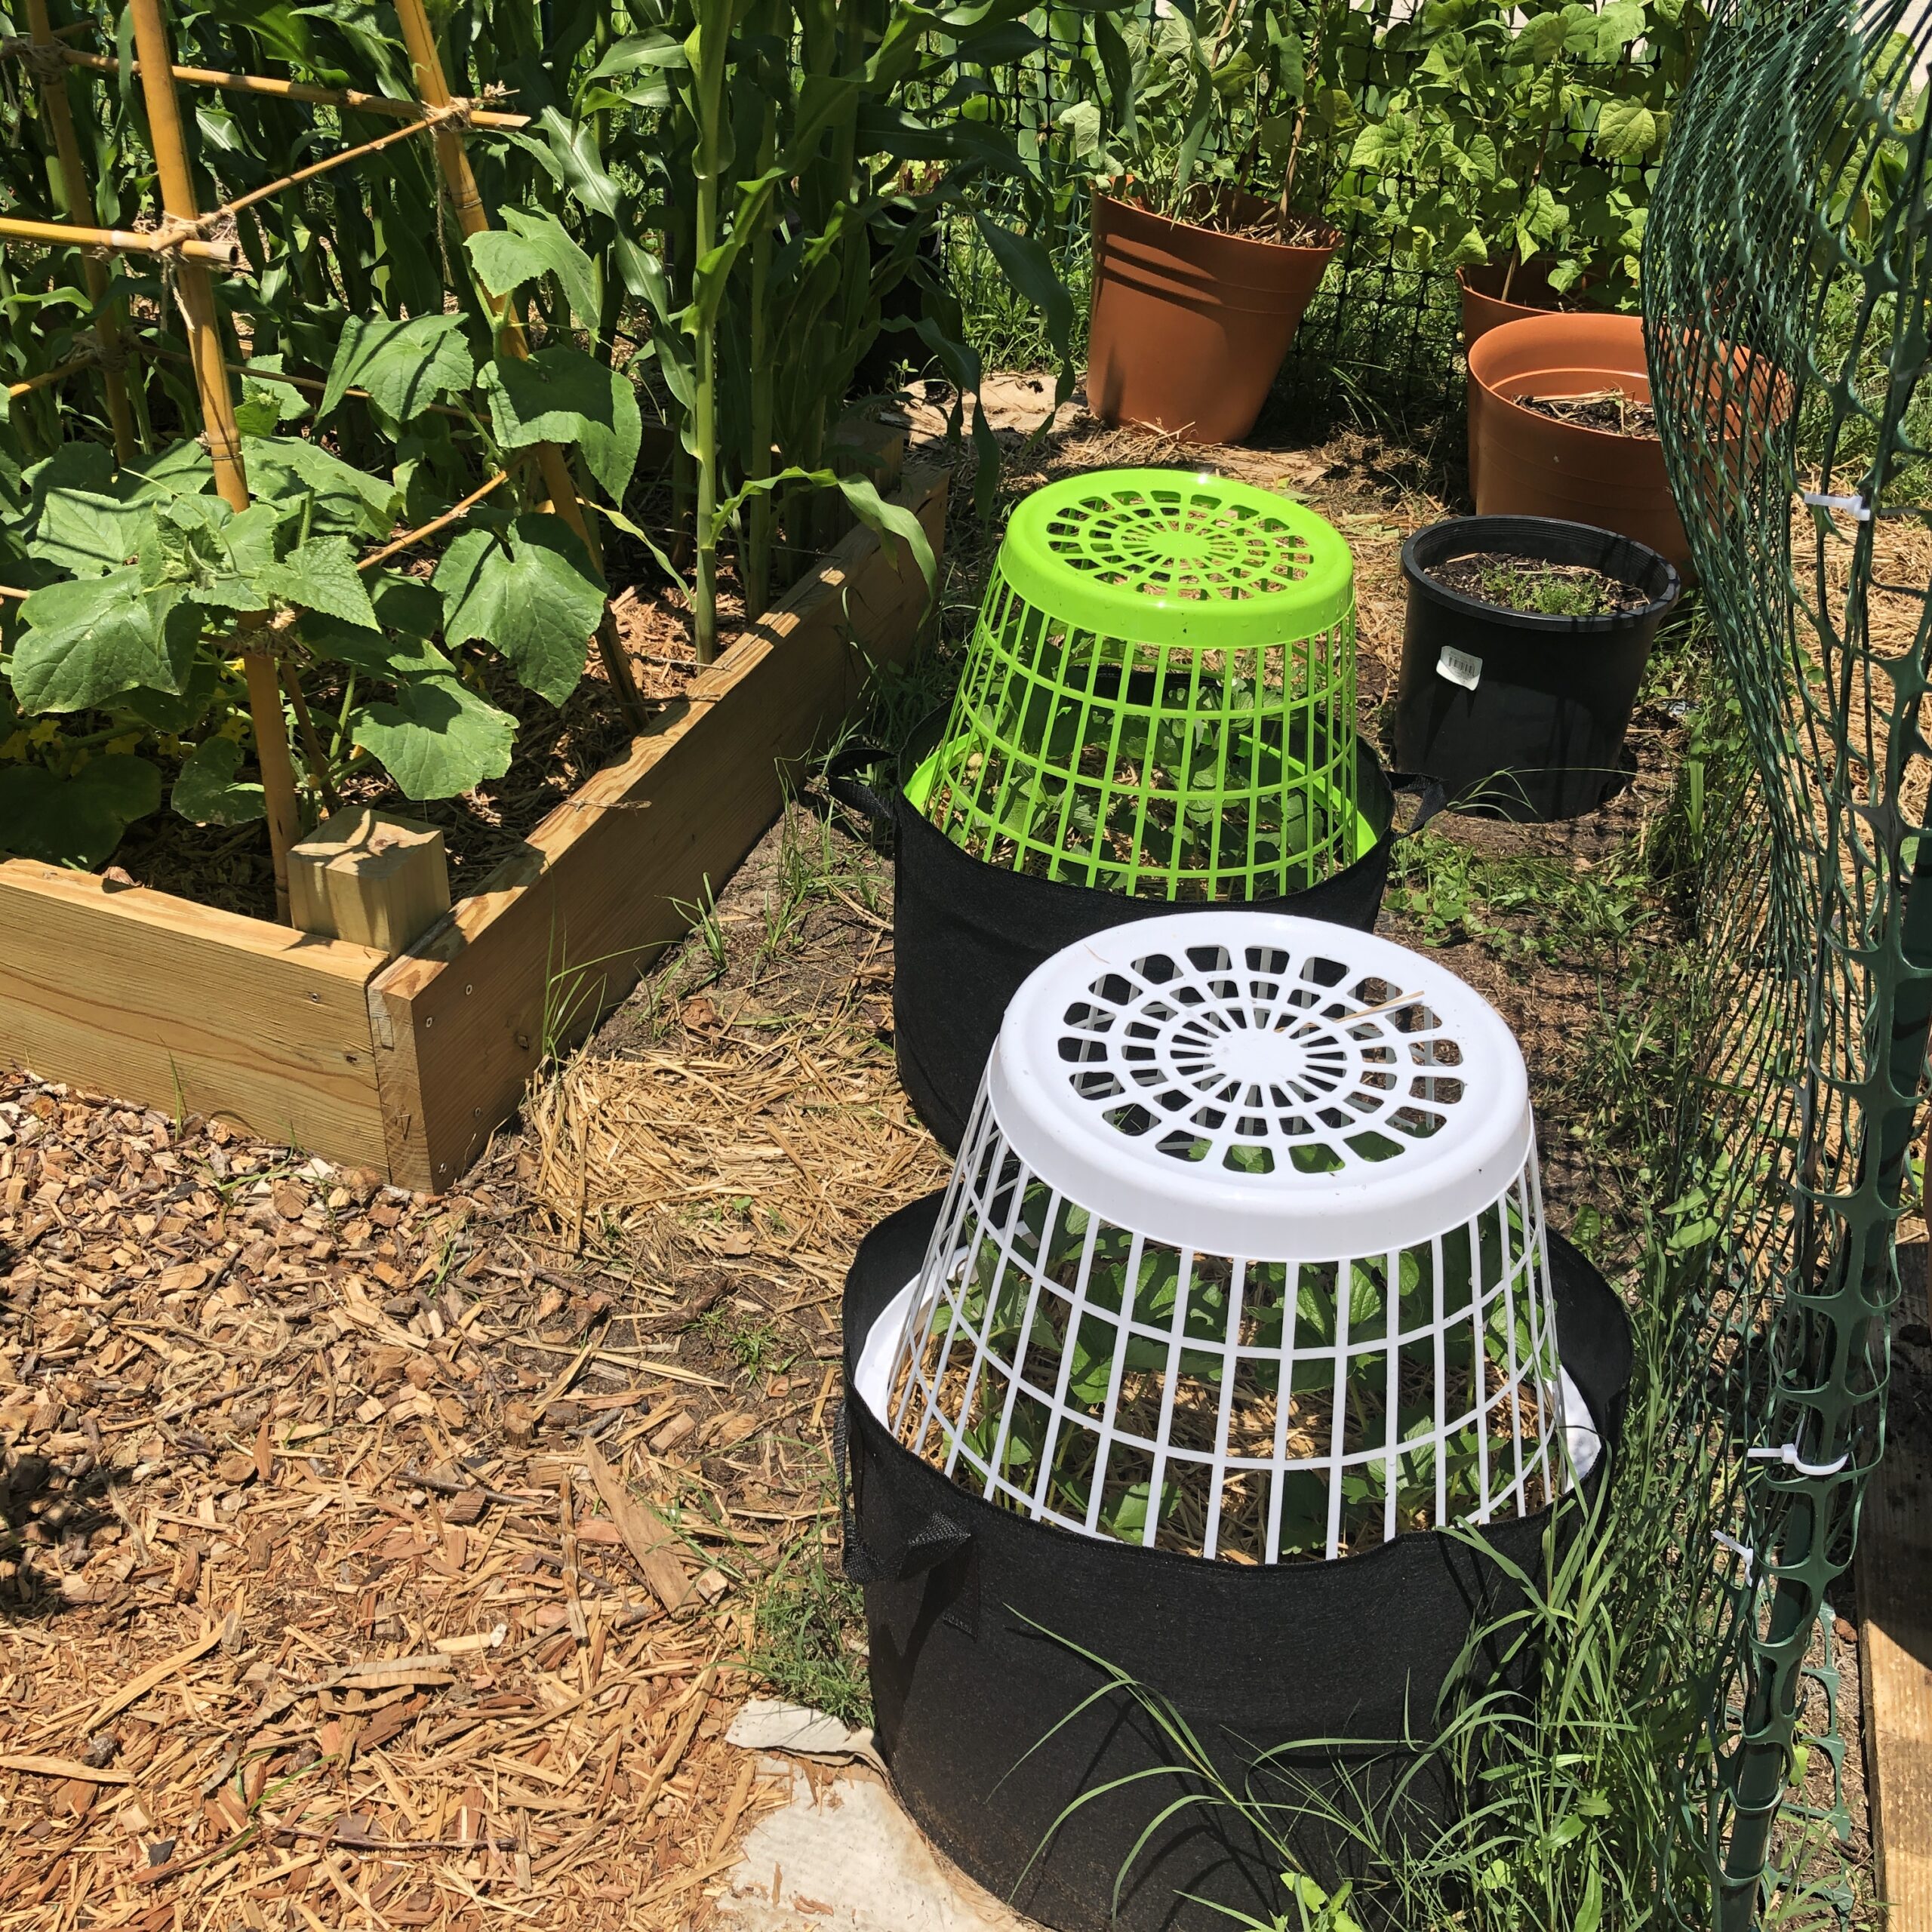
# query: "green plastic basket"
[[1159, 697]]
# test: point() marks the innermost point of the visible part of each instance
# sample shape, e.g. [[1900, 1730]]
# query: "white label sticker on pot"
[[1460, 668]]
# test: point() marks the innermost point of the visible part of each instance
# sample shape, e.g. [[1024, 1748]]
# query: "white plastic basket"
[[1193, 1132]]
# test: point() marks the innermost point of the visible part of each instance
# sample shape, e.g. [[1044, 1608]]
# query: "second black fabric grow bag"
[[966, 934], [1522, 714], [977, 1619]]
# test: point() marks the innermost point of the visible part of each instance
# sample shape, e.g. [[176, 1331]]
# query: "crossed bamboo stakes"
[[194, 244]]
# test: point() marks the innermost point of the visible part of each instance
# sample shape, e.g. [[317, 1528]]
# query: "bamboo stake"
[[48, 376], [323, 166], [420, 38], [126, 240], [455, 513], [348, 99], [78, 191], [195, 292]]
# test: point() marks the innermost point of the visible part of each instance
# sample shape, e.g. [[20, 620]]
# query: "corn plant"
[[769, 292]]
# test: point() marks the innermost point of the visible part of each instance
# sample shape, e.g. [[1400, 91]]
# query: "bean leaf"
[[1626, 131]]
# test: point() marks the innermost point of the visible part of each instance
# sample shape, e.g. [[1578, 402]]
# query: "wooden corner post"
[[195, 292]]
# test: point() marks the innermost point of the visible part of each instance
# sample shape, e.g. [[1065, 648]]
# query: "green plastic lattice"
[[1159, 698]]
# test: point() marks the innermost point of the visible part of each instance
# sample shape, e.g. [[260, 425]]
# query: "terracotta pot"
[[1524, 464], [1190, 325], [1484, 308]]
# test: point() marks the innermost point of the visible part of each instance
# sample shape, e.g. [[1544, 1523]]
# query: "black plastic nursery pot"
[[978, 1618], [1521, 714], [965, 934]]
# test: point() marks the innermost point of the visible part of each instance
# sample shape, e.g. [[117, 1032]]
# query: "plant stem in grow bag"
[[1276, 1311]]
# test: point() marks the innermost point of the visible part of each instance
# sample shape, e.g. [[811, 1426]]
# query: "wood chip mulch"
[[335, 1584]]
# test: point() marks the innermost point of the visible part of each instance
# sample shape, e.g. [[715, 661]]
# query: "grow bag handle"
[[935, 1540], [843, 782], [1432, 796]]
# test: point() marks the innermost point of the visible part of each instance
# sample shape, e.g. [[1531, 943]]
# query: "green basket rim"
[[1032, 559], [918, 792]]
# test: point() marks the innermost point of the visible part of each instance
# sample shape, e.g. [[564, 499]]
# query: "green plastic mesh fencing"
[[1787, 279], [1159, 697]]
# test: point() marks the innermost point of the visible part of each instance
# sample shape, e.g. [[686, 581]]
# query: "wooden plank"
[[173, 1005], [1895, 1624], [561, 932]]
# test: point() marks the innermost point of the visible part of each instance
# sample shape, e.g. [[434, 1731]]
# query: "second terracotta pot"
[[1483, 307], [1523, 463], [1190, 325]]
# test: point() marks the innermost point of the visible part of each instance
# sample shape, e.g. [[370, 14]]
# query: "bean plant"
[[1188, 107], [1516, 134]]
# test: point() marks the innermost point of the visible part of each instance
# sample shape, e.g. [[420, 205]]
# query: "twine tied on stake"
[[47, 62]]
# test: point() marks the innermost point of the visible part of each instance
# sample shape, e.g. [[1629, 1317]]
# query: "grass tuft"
[[810, 1643]]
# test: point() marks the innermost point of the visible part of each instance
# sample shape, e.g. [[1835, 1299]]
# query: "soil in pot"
[[1611, 410], [1191, 320], [1536, 586], [1518, 708]]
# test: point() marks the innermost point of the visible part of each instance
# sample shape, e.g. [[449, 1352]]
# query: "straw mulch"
[[335, 1577], [764, 1157]]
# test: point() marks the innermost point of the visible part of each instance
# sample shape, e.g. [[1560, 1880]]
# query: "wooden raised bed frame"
[[408, 1066]]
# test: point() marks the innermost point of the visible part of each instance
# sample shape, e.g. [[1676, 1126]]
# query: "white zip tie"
[[1852, 506], [1787, 1453], [1737, 1548]]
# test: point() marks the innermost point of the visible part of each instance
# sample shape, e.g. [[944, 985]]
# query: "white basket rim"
[[1432, 1080]]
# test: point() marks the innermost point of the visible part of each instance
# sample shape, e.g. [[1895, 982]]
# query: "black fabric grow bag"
[[960, 1597], [964, 934], [1540, 736]]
